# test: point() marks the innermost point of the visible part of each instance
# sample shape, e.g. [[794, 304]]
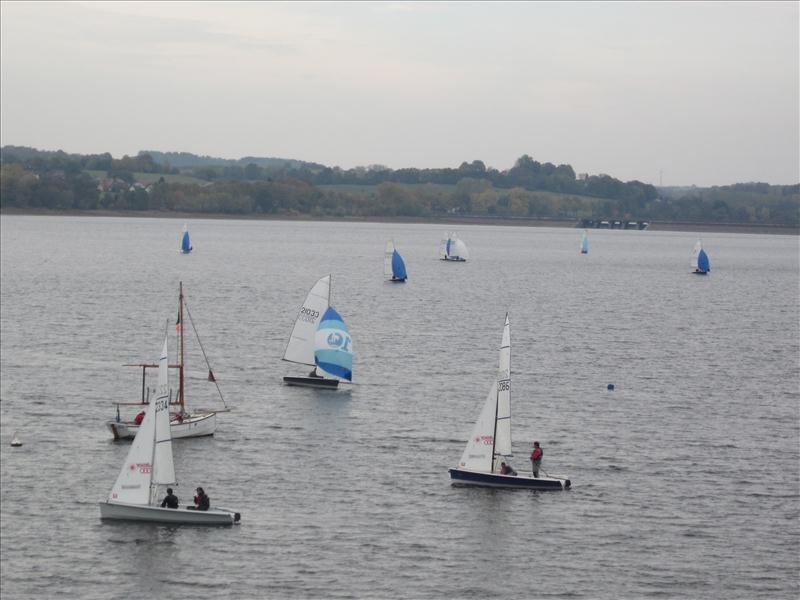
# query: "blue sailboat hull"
[[460, 477]]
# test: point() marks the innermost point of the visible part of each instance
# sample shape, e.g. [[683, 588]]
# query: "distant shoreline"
[[452, 220]]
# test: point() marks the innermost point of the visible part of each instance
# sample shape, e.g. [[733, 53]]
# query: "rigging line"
[[197, 335]]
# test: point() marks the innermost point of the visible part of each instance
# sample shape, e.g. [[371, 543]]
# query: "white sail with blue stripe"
[[333, 347]]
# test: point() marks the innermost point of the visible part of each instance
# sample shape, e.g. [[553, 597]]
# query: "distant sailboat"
[[320, 339], [490, 441], [394, 269], [150, 464], [15, 442], [585, 243], [700, 262], [186, 244], [453, 249]]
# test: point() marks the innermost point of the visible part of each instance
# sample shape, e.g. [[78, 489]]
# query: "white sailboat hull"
[[196, 425], [155, 514]]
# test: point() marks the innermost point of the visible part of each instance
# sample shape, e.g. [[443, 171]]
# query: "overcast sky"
[[690, 92]]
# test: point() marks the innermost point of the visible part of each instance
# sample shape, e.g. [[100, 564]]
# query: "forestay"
[[300, 348], [334, 348]]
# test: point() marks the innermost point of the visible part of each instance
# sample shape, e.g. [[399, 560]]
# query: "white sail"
[[387, 259], [502, 438], [163, 465], [695, 253], [477, 455], [300, 348], [133, 483], [459, 249]]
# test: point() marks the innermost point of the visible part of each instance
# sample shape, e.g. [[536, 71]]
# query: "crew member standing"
[[536, 459]]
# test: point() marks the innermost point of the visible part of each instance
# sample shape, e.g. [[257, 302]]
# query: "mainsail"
[[300, 348], [696, 254]]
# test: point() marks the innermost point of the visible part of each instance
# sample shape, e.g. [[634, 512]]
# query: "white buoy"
[[15, 441]]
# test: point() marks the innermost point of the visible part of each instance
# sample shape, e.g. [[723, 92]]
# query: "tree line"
[[55, 180]]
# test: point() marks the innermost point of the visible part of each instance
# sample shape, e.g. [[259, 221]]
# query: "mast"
[[180, 315], [494, 433]]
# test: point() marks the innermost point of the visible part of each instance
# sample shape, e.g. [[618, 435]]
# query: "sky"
[[672, 93]]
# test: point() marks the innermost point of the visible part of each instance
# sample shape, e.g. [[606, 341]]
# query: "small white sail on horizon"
[[453, 248]]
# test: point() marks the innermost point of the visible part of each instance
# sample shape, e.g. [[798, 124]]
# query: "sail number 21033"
[[308, 314]]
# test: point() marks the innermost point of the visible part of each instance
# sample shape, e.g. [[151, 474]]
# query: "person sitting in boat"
[[170, 500], [139, 418], [178, 417], [201, 501], [536, 459], [507, 469]]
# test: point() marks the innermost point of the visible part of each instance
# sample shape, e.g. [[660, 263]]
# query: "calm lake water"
[[685, 478]]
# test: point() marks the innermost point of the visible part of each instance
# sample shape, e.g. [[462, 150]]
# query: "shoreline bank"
[[449, 220]]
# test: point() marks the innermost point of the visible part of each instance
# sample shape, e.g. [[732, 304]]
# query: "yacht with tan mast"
[[183, 422]]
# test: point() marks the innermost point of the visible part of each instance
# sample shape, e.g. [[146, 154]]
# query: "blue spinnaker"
[[398, 266], [702, 262], [333, 347], [186, 245]]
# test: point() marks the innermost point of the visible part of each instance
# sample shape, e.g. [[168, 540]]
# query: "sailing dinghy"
[[186, 244], [149, 464], [585, 242], [700, 262], [490, 442], [320, 339], [453, 249], [183, 423], [394, 269]]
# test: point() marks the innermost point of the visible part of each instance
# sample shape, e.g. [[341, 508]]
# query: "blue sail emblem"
[[333, 347], [335, 339], [398, 267]]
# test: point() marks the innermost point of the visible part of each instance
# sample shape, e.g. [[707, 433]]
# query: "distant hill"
[[187, 159]]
